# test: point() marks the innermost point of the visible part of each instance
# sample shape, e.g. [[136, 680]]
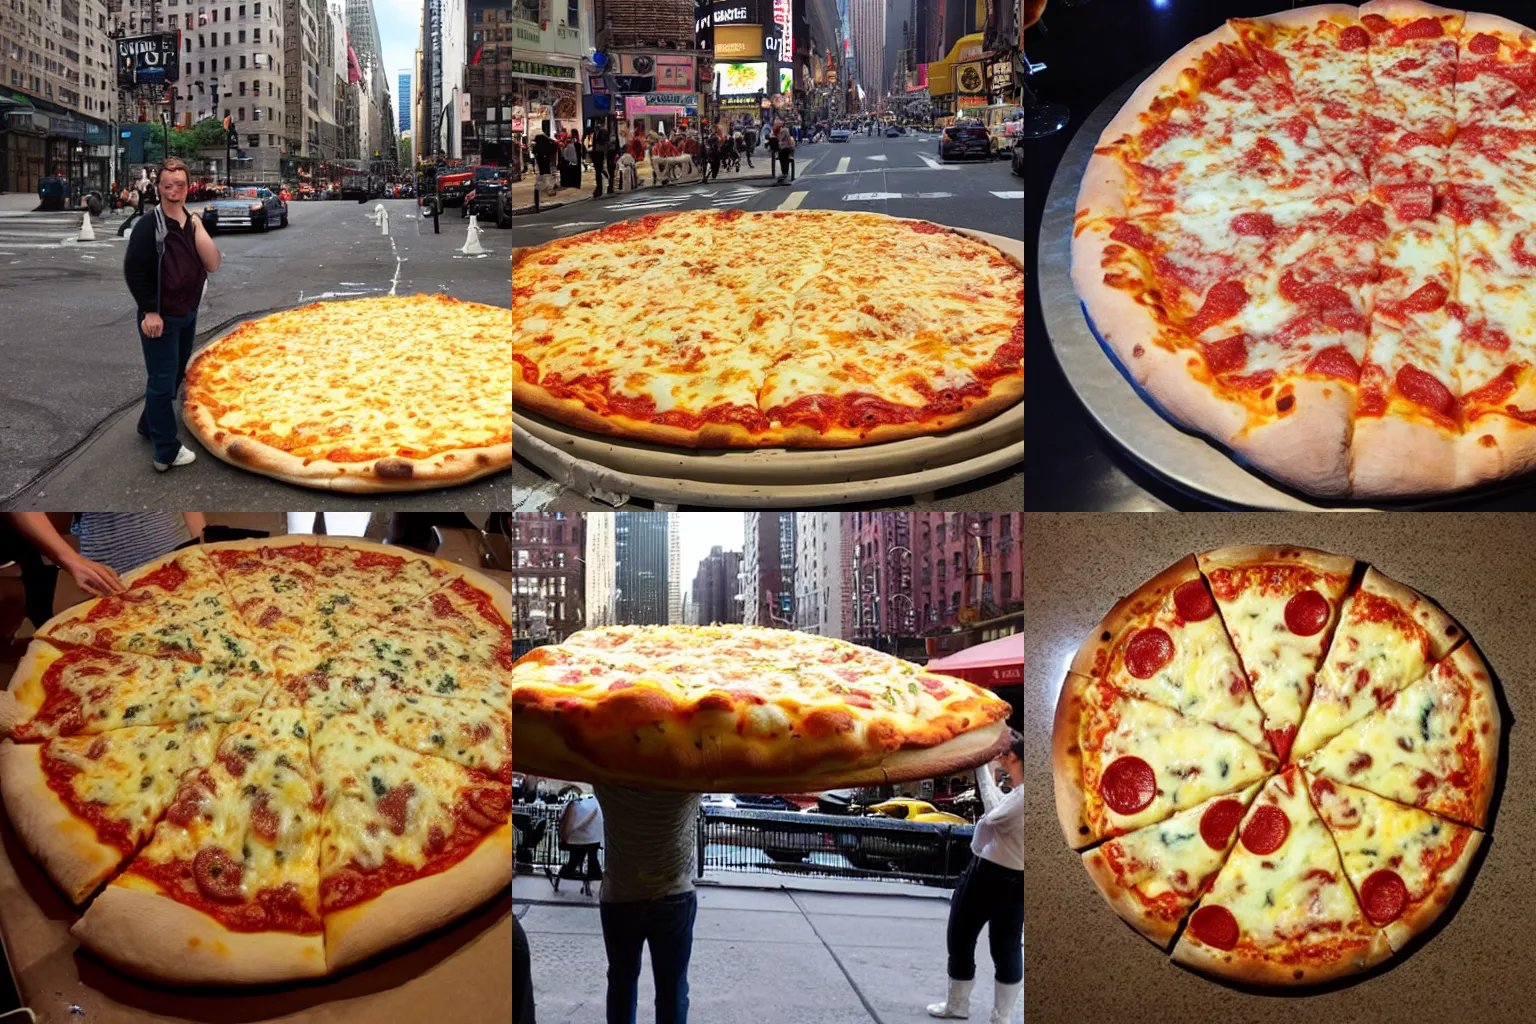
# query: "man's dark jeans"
[[667, 924], [165, 360]]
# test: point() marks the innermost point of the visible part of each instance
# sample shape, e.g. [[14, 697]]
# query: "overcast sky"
[[700, 531]]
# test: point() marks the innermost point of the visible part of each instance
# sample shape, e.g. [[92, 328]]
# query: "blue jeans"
[[667, 924], [993, 896], [165, 360]]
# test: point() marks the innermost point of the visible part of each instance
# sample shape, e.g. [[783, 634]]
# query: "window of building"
[[271, 139], [957, 563], [242, 62], [255, 35], [215, 14], [941, 531], [253, 141], [242, 88], [522, 558], [257, 10], [242, 115], [559, 559], [571, 10], [189, 23], [242, 10], [226, 38], [954, 601], [226, 63], [241, 35], [226, 14], [559, 533], [1007, 593]]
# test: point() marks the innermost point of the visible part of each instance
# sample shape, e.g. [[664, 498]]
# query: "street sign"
[[148, 59]]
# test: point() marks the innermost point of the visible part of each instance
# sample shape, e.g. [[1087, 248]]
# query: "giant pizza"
[[799, 329], [267, 759], [1280, 757], [1309, 236], [389, 393], [743, 709]]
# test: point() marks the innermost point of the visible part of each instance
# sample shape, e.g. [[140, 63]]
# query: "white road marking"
[[842, 165], [861, 197], [799, 171], [935, 195], [793, 200], [396, 281], [352, 284], [934, 164], [1015, 194], [879, 156]]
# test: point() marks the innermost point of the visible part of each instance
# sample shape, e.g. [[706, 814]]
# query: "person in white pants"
[[991, 893]]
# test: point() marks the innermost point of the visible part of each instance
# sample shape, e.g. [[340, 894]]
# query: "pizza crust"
[[1397, 9], [1124, 902], [1496, 447], [25, 696], [67, 847], [1067, 761], [1234, 966], [1243, 555], [1485, 725], [1397, 458], [409, 910], [144, 932], [1306, 17], [1400, 932], [1476, 22]]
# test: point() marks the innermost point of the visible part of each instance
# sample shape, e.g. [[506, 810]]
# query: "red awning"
[[995, 663]]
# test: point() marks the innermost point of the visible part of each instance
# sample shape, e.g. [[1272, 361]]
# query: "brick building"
[[548, 602], [714, 587], [768, 562]]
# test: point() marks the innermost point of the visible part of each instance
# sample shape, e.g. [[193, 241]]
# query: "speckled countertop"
[[1082, 963]]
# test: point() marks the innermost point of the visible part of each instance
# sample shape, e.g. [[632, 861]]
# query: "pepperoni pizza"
[[281, 756], [801, 329], [1288, 756], [1307, 236]]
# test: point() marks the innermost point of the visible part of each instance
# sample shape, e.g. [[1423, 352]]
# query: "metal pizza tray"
[[613, 469], [1189, 461]]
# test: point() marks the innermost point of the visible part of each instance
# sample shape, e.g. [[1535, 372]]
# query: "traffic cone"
[[472, 245], [87, 233]]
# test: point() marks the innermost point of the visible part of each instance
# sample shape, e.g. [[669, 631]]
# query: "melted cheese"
[[1172, 856]]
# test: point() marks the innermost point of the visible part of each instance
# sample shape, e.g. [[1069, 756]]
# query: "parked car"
[[489, 196], [839, 134], [1018, 159], [892, 131], [965, 138], [248, 206], [904, 809]]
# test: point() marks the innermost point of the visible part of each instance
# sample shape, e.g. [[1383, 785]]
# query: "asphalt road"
[[901, 177], [72, 375]]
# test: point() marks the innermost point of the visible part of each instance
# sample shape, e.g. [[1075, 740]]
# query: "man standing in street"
[[168, 260], [600, 144], [544, 150]]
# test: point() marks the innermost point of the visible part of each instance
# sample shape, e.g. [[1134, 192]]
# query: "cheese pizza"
[[812, 328], [1299, 854], [1305, 236], [262, 801], [391, 393], [744, 709]]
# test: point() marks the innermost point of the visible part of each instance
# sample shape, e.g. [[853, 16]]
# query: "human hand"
[[94, 577], [152, 325]]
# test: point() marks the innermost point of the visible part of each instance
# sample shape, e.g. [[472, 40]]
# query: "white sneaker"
[[185, 457]]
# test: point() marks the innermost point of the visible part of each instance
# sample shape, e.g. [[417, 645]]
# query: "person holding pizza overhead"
[[991, 893], [648, 896]]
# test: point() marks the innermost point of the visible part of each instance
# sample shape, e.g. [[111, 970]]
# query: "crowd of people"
[[560, 160]]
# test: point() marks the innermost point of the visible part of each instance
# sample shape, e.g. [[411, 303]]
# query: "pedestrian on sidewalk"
[[168, 260], [581, 833], [991, 893], [634, 152], [544, 151], [570, 155], [712, 156], [786, 152], [612, 159], [648, 897], [600, 160]]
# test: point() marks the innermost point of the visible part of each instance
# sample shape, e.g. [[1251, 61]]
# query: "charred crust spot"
[[1297, 974], [1451, 630], [1104, 637], [1082, 830], [394, 469], [1487, 441], [1285, 402]]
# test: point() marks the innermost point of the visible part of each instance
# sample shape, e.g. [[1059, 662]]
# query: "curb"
[[587, 196]]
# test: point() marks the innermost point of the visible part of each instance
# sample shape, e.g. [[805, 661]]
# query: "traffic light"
[[234, 134]]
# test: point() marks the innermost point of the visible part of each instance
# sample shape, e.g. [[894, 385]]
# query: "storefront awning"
[[995, 663]]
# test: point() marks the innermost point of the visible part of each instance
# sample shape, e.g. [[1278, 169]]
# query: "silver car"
[[248, 206]]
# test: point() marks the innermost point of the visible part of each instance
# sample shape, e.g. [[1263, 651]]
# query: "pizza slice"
[[1281, 911], [1165, 643], [1208, 131], [273, 584], [474, 733], [358, 585], [408, 840], [1280, 606], [1246, 323], [1388, 636], [1408, 421], [61, 691], [1405, 864], [1122, 762], [1412, 54], [1433, 744], [1495, 73], [465, 616], [84, 804], [231, 877], [1152, 876], [175, 605], [1319, 54]]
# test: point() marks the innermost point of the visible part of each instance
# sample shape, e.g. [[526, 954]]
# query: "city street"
[[72, 374], [901, 177]]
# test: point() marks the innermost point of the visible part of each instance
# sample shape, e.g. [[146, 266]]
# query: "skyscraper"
[[714, 587], [404, 106], [641, 556], [674, 570], [599, 569], [768, 560], [818, 573], [867, 23]]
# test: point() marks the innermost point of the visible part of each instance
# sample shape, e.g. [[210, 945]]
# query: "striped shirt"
[[649, 839], [126, 540]]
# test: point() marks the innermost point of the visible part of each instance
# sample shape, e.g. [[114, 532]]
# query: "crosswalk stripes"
[[934, 164], [1014, 194], [50, 231]]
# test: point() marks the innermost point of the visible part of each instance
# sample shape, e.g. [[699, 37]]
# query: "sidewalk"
[[14, 204], [522, 191], [766, 950]]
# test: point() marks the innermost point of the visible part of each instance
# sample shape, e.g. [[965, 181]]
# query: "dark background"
[[1091, 49]]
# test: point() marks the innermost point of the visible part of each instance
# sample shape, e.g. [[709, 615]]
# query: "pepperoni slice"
[[1425, 389], [1128, 785], [1214, 926], [1483, 44], [1354, 38], [1218, 821], [1193, 601], [1266, 831], [1149, 650], [1383, 897], [1307, 612], [1281, 740], [218, 874]]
